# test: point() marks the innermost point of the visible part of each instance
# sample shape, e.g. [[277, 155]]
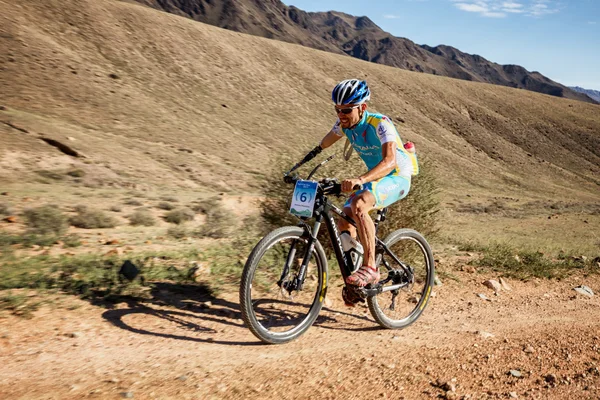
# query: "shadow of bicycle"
[[187, 307], [192, 308]]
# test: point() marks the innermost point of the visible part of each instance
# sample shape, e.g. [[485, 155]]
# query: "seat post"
[[380, 217]]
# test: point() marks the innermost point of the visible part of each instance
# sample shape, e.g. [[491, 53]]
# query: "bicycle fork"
[[298, 282]]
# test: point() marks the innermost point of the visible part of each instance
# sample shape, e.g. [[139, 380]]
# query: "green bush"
[[92, 219], [27, 240], [180, 215], [46, 220], [523, 264], [143, 218]]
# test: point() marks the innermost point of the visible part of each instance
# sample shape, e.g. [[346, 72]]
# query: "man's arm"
[[384, 167], [330, 139], [327, 141]]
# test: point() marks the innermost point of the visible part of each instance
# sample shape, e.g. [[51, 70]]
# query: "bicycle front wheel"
[[411, 271], [273, 307]]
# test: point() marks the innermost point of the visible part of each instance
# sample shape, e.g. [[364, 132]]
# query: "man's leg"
[[361, 205], [344, 225]]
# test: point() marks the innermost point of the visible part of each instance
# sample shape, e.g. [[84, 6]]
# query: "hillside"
[[155, 100], [358, 37]]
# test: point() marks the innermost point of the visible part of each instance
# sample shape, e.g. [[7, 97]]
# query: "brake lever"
[[290, 178]]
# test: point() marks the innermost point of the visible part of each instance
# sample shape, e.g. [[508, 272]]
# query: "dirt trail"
[[179, 346]]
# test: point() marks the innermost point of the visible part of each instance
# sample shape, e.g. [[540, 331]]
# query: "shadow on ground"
[[194, 309]]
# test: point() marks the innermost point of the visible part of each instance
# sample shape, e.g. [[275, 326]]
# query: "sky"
[[558, 38]]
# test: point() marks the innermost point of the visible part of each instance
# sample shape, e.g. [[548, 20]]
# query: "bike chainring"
[[352, 294]]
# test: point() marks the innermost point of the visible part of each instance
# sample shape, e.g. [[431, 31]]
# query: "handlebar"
[[328, 185]]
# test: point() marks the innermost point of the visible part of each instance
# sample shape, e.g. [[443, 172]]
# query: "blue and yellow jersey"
[[367, 139]]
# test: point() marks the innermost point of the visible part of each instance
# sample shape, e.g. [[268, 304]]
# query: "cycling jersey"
[[368, 137]]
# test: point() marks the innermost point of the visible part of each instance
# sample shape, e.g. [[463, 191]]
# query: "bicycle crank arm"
[[377, 290]]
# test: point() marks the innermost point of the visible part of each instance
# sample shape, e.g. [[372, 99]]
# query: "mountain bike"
[[284, 282]]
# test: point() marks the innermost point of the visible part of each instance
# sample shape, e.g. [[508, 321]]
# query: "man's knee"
[[361, 207]]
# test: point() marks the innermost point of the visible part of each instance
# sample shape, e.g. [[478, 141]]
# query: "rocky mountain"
[[358, 37], [594, 94]]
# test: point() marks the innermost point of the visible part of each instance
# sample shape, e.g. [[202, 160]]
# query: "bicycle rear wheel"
[[272, 307], [401, 307]]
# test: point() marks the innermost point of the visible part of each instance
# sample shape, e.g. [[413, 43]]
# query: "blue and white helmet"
[[351, 91]]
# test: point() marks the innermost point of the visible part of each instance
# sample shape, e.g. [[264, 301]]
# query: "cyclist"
[[390, 167]]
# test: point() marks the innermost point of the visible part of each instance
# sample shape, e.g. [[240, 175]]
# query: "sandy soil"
[[186, 344]]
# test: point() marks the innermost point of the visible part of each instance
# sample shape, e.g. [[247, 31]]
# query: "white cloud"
[[472, 7], [389, 16], [512, 7], [502, 8]]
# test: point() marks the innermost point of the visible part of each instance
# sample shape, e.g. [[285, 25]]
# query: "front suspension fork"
[[298, 282]]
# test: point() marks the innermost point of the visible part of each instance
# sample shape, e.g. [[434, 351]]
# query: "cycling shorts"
[[386, 190]]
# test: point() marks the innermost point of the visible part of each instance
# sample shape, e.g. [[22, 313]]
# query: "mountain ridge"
[[594, 94], [358, 37]]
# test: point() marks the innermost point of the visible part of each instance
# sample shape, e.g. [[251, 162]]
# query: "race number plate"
[[303, 199]]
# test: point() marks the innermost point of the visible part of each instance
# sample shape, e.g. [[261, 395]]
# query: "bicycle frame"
[[326, 210]]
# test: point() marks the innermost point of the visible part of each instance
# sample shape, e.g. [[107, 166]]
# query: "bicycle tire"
[[425, 269], [254, 316]]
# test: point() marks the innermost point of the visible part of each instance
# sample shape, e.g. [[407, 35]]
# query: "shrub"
[[133, 202], [274, 208], [27, 240], [416, 211], [142, 217], [220, 223], [419, 209], [72, 240], [92, 219], [164, 205], [177, 232], [180, 215], [76, 173], [50, 175], [46, 220], [205, 206], [523, 264], [170, 199]]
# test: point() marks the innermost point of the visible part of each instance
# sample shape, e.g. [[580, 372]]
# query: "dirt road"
[[185, 345]]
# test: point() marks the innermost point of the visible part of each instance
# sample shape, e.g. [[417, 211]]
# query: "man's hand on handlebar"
[[349, 185]]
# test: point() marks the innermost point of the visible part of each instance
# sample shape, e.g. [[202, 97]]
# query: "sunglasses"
[[346, 110]]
